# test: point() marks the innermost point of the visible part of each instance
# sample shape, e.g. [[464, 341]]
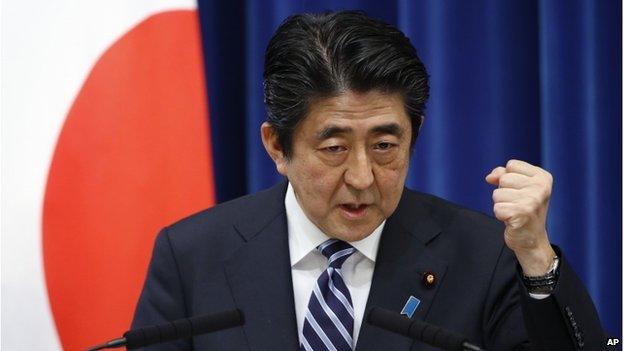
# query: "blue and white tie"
[[328, 323]]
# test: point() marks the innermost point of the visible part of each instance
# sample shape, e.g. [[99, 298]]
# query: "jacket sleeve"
[[567, 316], [162, 299], [566, 320]]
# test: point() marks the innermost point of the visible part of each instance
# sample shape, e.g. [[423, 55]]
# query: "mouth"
[[354, 211]]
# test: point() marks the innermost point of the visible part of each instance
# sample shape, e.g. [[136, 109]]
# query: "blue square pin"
[[410, 306]]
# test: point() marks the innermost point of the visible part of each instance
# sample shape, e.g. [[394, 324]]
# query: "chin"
[[356, 235]]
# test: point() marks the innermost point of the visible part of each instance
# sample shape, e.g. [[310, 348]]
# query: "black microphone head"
[[217, 321], [183, 328], [389, 320], [415, 329]]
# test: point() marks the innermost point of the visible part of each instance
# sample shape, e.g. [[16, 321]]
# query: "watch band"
[[543, 284]]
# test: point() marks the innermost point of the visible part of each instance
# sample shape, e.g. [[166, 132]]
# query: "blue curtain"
[[534, 80]]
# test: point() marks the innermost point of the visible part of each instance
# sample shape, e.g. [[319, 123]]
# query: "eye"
[[334, 149], [384, 145]]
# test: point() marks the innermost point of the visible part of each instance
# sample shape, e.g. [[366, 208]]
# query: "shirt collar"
[[304, 236]]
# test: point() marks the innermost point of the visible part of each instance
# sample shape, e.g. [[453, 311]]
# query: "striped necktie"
[[328, 323]]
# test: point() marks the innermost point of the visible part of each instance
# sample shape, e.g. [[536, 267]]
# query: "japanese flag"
[[105, 139]]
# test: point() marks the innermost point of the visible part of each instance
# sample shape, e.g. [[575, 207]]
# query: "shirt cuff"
[[538, 296]]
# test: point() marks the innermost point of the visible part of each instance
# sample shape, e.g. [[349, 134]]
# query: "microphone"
[[419, 330], [179, 329]]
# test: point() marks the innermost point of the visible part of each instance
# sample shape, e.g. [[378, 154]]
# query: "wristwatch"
[[543, 284]]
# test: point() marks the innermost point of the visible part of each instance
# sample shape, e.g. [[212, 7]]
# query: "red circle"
[[133, 155]]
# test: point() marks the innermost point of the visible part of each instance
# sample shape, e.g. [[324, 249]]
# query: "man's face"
[[349, 162]]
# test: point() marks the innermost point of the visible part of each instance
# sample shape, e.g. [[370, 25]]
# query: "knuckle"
[[548, 186], [499, 208], [544, 194], [500, 213], [546, 179], [505, 179], [540, 193], [496, 195], [532, 208], [534, 204]]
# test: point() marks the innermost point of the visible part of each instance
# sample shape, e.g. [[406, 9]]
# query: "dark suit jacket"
[[235, 255]]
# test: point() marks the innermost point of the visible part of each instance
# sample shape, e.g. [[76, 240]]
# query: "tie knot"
[[336, 251]]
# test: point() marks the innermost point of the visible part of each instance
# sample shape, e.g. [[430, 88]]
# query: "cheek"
[[327, 184], [390, 180], [319, 184], [396, 170]]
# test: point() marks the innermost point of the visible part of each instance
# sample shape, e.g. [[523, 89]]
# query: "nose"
[[359, 173]]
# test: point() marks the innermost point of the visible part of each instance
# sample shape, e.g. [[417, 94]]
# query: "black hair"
[[313, 56]]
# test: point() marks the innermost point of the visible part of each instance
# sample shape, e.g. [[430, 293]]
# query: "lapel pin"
[[410, 306], [429, 279]]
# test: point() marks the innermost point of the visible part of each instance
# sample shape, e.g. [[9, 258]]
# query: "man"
[[305, 260]]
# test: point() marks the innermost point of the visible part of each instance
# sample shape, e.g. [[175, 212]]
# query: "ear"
[[273, 147]]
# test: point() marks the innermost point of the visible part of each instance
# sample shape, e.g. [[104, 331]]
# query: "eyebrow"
[[390, 128], [333, 130]]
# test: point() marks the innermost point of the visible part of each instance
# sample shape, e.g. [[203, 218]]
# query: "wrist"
[[536, 262], [544, 284]]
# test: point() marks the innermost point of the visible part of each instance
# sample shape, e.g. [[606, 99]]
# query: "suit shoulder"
[[222, 218], [465, 238], [449, 215]]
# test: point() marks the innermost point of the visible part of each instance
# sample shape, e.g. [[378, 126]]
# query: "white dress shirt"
[[307, 263]]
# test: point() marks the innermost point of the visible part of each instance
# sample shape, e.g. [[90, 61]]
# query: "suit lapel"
[[259, 274], [402, 260], [260, 280]]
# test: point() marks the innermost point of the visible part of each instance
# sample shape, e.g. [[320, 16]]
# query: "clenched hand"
[[521, 202]]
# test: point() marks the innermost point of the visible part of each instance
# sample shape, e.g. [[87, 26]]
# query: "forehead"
[[357, 110]]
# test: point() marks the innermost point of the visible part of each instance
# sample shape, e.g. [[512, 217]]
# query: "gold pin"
[[429, 279]]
